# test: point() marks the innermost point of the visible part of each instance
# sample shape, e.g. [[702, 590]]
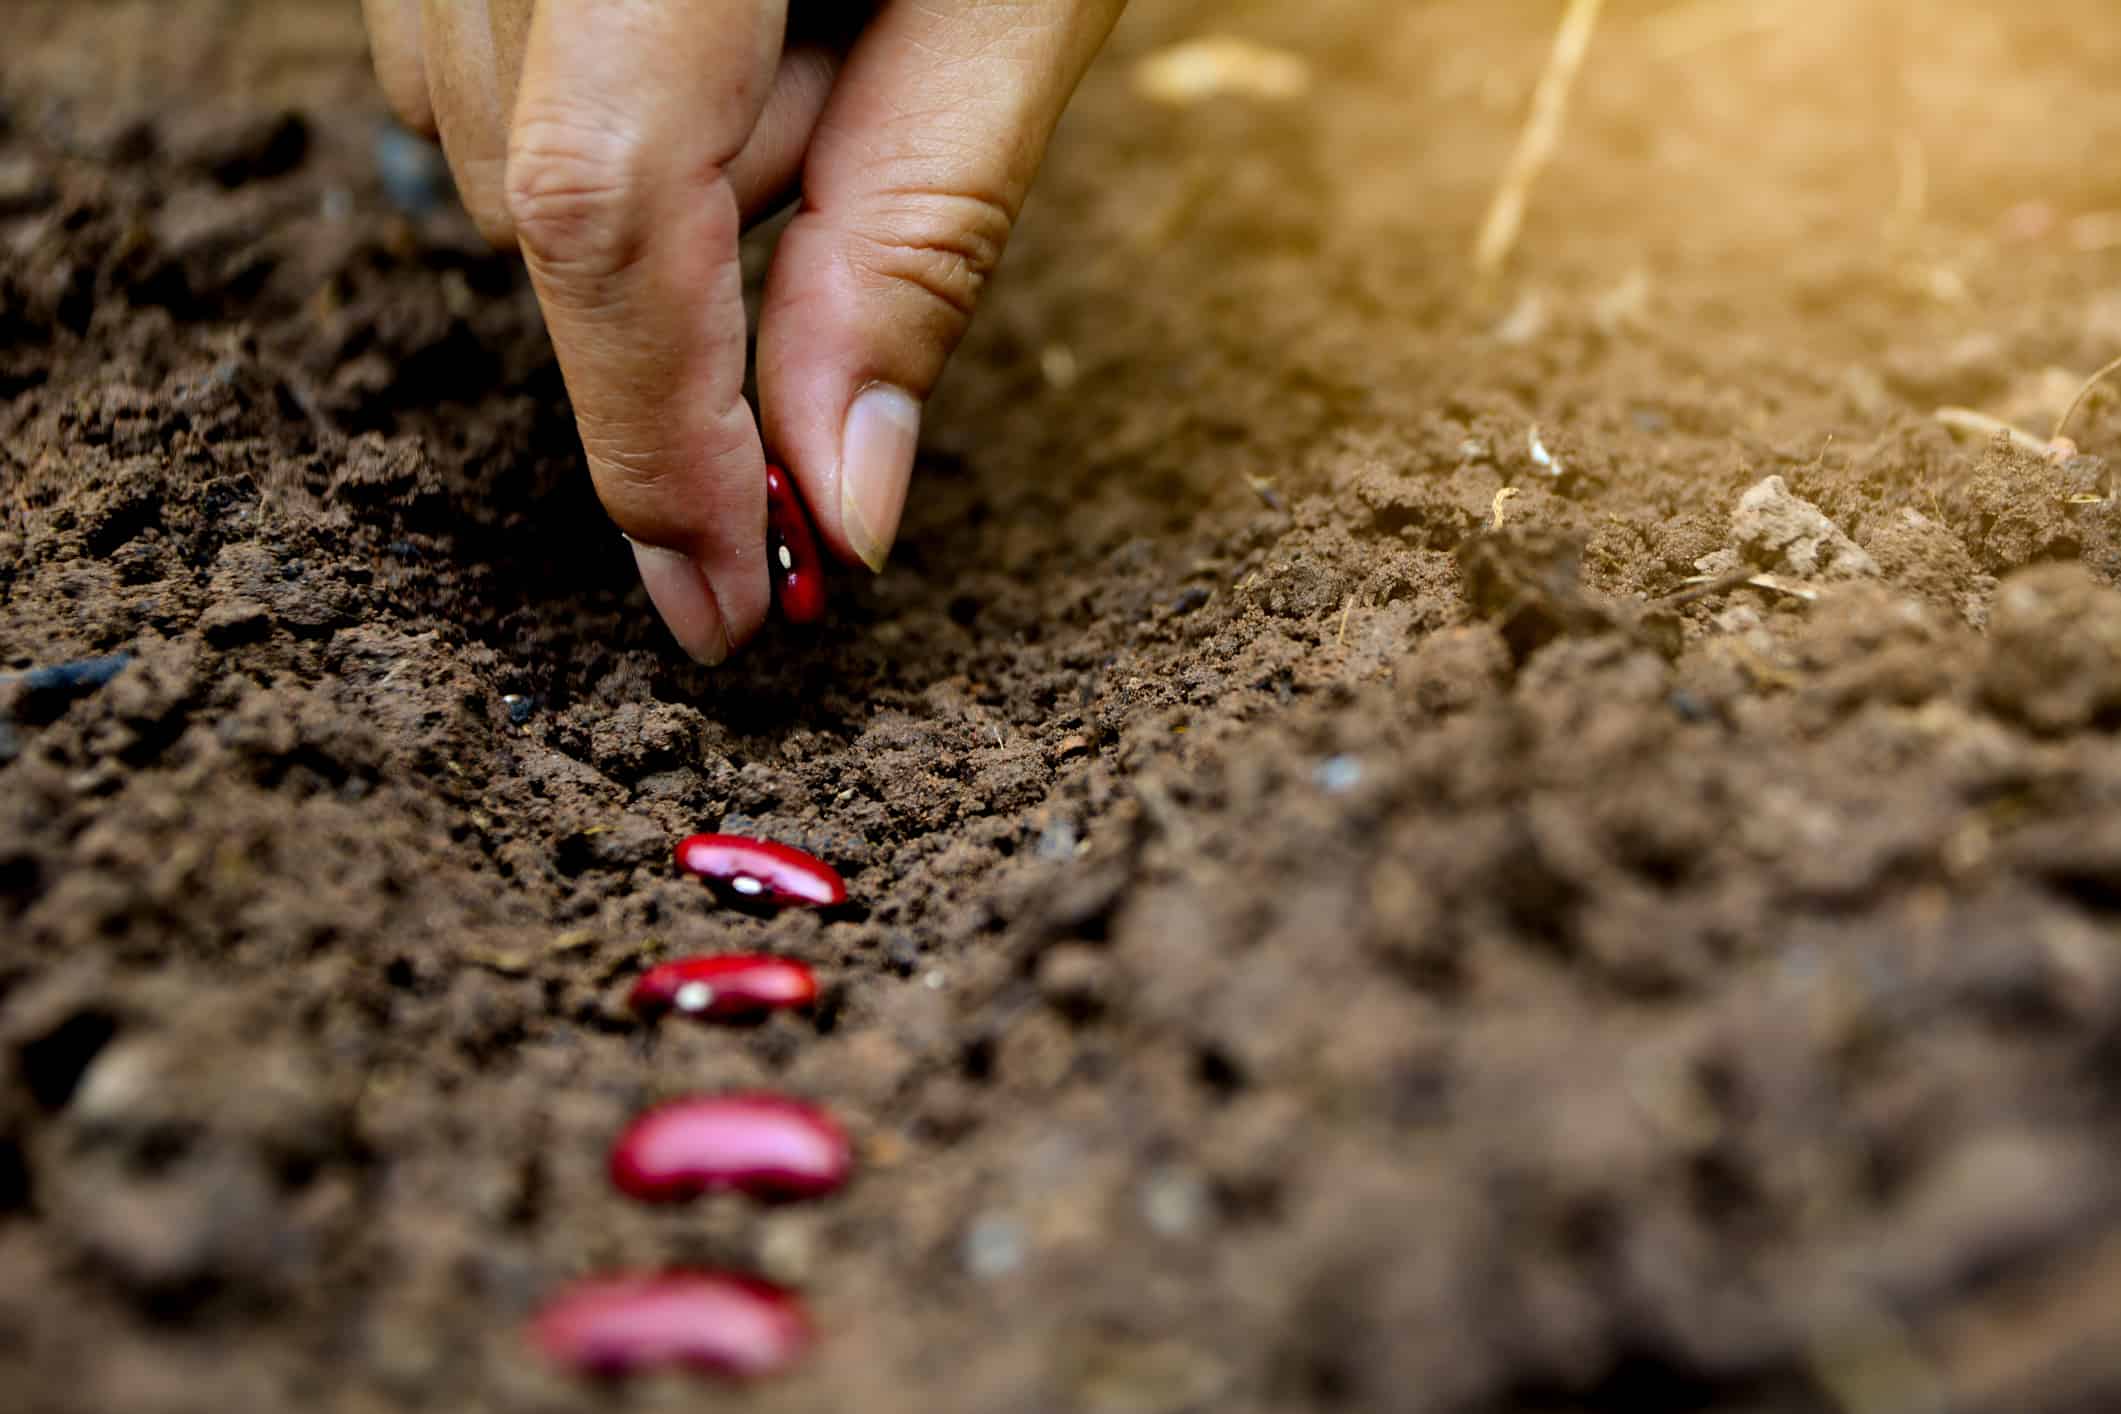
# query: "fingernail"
[[876, 461], [680, 594]]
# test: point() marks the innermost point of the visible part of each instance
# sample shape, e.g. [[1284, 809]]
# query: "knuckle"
[[631, 468], [572, 190], [944, 244]]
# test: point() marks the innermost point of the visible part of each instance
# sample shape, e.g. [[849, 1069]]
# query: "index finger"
[[627, 117]]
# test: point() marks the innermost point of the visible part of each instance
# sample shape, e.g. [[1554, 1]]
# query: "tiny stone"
[[1058, 840], [24, 186], [994, 1246], [789, 1252], [1174, 1203], [1337, 775], [1057, 363], [936, 981], [1689, 706], [413, 173], [904, 953]]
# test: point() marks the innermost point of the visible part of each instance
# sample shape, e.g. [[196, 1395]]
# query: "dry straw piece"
[[2062, 425], [1542, 132]]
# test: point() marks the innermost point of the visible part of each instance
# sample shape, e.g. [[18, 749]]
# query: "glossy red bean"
[[720, 988], [706, 1321], [759, 871], [766, 1146], [798, 570]]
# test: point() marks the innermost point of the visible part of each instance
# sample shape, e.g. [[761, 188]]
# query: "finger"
[[627, 120], [474, 49], [765, 174], [394, 42], [920, 163]]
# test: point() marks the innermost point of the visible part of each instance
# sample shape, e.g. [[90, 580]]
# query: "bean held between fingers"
[[798, 570]]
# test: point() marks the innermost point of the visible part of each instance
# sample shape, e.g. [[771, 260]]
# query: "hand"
[[624, 145]]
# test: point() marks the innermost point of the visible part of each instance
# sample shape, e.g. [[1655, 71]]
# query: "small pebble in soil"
[[1175, 1203], [764, 1146], [1337, 775], [761, 872], [994, 1246], [721, 988], [1689, 707], [798, 570], [1058, 840], [903, 953], [70, 679], [25, 186], [521, 707], [706, 1321], [413, 172], [1192, 597]]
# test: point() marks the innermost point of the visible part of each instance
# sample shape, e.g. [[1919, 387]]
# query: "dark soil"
[[1312, 950]]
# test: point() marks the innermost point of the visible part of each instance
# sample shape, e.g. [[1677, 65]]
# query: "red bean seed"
[[757, 871], [798, 570], [765, 1146], [718, 988], [706, 1321]]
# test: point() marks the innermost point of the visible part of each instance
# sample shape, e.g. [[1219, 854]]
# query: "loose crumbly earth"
[[1312, 951]]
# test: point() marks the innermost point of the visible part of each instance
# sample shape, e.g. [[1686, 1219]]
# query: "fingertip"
[[401, 70], [682, 595], [877, 446]]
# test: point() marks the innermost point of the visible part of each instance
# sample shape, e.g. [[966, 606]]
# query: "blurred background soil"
[[1312, 950]]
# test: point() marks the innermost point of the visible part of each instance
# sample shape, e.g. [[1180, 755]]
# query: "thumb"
[[918, 168]]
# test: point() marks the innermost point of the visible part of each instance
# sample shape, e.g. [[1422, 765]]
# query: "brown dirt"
[[1311, 952]]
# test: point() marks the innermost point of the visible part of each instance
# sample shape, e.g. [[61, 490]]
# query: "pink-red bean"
[[761, 871], [709, 1321], [798, 569], [766, 1146], [722, 988]]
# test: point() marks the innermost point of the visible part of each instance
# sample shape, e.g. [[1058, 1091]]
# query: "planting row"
[[764, 1146]]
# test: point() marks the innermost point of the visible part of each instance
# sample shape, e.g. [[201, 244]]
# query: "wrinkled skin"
[[624, 145]]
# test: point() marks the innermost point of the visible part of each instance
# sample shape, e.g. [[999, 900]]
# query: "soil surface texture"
[[1311, 947]]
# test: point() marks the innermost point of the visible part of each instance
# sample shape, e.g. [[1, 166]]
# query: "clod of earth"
[[707, 1321], [764, 1146], [1772, 528], [722, 988], [760, 871], [798, 570]]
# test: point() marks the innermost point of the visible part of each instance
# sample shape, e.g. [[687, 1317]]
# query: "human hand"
[[625, 144]]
